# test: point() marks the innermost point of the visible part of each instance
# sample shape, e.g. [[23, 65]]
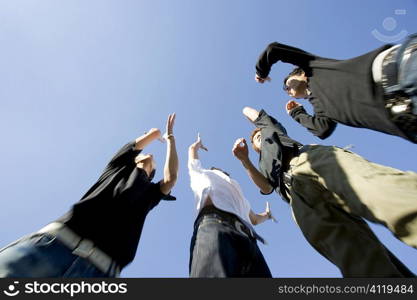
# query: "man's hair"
[[296, 71], [254, 132], [218, 169]]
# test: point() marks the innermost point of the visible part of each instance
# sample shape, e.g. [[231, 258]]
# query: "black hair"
[[296, 71], [218, 169]]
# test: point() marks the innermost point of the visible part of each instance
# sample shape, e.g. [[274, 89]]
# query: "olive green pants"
[[332, 189]]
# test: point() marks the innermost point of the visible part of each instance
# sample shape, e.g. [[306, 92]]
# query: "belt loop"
[[84, 249], [239, 227], [116, 270], [112, 270]]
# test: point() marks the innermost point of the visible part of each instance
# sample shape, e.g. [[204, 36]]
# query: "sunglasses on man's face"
[[285, 87]]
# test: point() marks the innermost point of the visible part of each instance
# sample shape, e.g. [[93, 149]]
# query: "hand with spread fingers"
[[171, 161], [170, 126]]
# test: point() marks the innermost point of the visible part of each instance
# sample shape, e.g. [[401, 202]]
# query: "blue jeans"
[[408, 76], [408, 72], [41, 255], [219, 250], [407, 85]]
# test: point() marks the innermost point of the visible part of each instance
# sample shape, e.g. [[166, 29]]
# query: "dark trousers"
[[218, 249]]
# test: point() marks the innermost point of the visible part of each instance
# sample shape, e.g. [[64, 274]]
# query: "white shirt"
[[224, 192]]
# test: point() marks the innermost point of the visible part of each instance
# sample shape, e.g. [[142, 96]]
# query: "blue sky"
[[81, 78]]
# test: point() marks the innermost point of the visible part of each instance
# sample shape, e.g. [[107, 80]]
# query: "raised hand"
[[268, 212], [170, 124], [169, 128], [154, 132], [171, 161], [199, 144], [240, 149], [147, 138]]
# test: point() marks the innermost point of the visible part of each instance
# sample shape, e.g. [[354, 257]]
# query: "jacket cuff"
[[296, 111], [261, 74]]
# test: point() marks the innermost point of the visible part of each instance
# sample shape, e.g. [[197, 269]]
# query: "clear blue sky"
[[80, 78]]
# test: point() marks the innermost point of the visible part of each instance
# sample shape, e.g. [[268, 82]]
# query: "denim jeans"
[[407, 82], [41, 255], [219, 250], [400, 86], [408, 72]]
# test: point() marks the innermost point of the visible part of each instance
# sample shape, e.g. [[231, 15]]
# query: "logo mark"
[[11, 291], [390, 24]]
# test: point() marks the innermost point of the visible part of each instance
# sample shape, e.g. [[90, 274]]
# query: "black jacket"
[[342, 91], [277, 149]]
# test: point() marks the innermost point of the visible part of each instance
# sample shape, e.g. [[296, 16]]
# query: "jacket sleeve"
[[321, 127], [266, 121], [279, 52]]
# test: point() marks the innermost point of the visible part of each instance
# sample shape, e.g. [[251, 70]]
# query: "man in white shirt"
[[223, 242]]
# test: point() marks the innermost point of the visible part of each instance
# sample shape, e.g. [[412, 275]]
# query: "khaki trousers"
[[332, 189]]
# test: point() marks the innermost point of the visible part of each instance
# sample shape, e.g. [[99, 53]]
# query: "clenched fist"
[[291, 105]]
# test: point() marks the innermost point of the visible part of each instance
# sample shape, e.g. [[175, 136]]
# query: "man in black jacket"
[[330, 191], [100, 234], [369, 91]]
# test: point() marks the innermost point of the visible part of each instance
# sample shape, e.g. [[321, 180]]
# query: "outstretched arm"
[[322, 127], [126, 155], [147, 138], [171, 162], [279, 52], [240, 151], [263, 120], [193, 149], [250, 113]]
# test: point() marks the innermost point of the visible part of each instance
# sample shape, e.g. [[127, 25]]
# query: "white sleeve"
[[196, 174], [194, 166], [198, 180]]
